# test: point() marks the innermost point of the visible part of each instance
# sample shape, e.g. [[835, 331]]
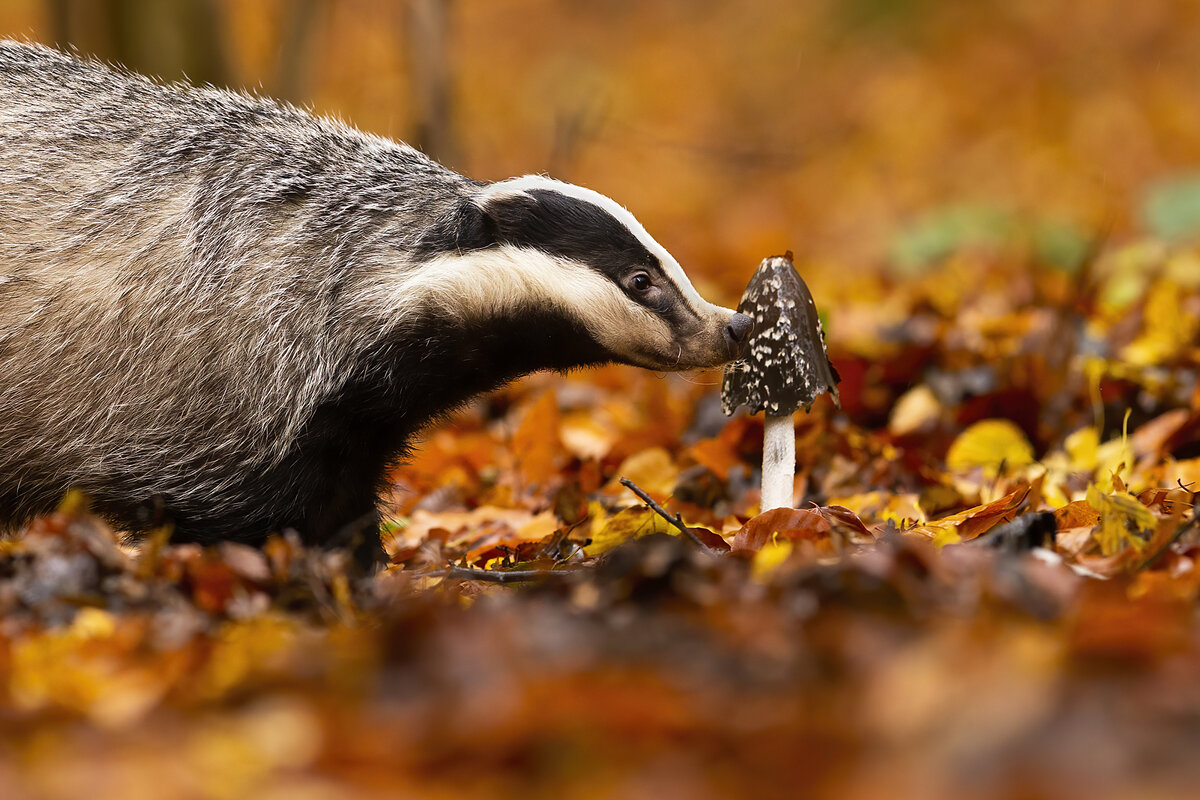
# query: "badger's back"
[[180, 276]]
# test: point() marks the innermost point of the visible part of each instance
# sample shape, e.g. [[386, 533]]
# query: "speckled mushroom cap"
[[785, 367]]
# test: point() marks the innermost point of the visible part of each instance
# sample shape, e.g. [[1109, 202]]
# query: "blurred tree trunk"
[[60, 29], [291, 77], [167, 38], [428, 47]]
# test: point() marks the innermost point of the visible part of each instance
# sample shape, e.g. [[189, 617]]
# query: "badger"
[[225, 312]]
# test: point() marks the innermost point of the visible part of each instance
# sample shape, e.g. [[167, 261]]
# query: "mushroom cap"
[[785, 366]]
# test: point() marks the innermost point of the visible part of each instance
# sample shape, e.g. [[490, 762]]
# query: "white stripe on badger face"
[[526, 183], [487, 284]]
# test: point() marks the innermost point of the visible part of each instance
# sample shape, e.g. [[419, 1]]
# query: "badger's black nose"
[[737, 332]]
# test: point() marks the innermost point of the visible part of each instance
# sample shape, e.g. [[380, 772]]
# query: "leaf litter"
[[989, 589], [973, 603]]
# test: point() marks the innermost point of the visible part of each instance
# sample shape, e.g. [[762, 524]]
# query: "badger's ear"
[[473, 226], [464, 228]]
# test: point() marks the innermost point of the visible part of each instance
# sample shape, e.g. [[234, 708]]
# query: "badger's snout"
[[737, 333], [721, 338]]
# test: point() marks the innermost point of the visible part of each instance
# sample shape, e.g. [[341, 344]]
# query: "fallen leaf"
[[654, 472], [781, 524], [536, 442], [625, 526], [967, 525], [916, 409], [1124, 522], [990, 444]]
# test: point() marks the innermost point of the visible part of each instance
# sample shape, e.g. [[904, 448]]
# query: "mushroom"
[[785, 367]]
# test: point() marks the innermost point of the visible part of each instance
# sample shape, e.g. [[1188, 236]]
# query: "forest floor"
[[988, 590]]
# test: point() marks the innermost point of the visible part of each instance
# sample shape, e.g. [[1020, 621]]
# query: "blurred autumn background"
[[989, 587]]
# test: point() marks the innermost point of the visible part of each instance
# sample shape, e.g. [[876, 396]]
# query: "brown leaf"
[[840, 516], [781, 523], [709, 538]]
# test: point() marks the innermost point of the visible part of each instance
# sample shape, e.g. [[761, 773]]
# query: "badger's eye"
[[641, 282]]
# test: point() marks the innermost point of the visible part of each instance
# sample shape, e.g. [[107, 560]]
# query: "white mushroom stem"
[[779, 462]]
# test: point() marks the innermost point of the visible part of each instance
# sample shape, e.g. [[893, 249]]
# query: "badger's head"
[[533, 245]]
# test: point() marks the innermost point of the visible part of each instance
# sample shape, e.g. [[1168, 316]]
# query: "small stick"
[[676, 520], [499, 575]]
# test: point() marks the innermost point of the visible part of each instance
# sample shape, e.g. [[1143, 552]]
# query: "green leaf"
[[940, 233], [1171, 208], [1060, 245]]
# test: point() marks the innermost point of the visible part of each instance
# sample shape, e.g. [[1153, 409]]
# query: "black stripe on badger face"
[[566, 227]]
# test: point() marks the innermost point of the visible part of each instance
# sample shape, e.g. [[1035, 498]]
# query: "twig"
[[676, 520], [499, 575]]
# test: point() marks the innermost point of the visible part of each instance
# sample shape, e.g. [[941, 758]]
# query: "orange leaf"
[[536, 443], [716, 455], [212, 583], [1076, 515], [724, 452], [974, 522], [987, 517]]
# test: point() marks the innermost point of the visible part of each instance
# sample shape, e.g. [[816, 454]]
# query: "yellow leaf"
[[1112, 457], [1082, 447], [903, 507], [630, 524], [914, 410], [93, 623], [587, 436], [769, 558], [1168, 328], [73, 503], [990, 444], [539, 527], [84, 668], [653, 470], [599, 518], [1123, 521], [241, 649], [944, 534]]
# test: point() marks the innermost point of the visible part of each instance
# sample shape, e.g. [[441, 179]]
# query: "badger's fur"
[[236, 313]]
